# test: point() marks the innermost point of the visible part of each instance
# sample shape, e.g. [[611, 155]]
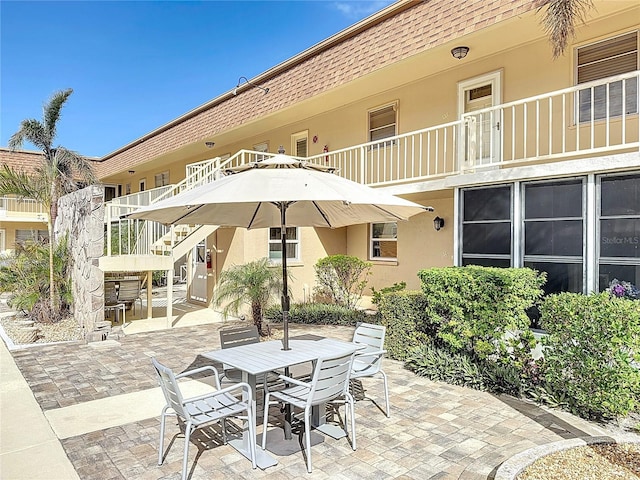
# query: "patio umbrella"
[[280, 191]]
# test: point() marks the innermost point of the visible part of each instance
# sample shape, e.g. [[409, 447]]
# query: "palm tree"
[[559, 21], [56, 174], [254, 283]]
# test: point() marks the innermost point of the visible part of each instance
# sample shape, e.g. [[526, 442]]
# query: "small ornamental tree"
[[255, 283], [342, 278]]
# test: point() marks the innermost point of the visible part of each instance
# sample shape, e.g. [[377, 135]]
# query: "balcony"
[[14, 209]]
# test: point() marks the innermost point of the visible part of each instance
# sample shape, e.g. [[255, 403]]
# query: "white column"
[[169, 297]]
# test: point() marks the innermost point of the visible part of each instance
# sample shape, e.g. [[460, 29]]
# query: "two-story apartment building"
[[528, 161]]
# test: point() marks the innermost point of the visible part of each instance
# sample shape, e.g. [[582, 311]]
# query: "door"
[[198, 289], [480, 142]]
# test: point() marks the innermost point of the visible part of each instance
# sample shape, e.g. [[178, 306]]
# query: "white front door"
[[480, 141], [198, 287]]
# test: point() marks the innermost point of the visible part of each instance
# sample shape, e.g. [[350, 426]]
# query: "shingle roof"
[[407, 29]]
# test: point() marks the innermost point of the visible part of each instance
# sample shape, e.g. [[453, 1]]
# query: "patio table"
[[258, 358]]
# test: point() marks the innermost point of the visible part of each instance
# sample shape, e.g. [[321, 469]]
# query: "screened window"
[[161, 179], [30, 236], [275, 244], [382, 123], [383, 244], [619, 229], [486, 226], [553, 233], [604, 59]]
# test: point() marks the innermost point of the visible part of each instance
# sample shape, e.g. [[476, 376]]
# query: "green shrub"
[[376, 295], [474, 307], [320, 314], [593, 353], [25, 275], [342, 278], [438, 364], [403, 313], [459, 368]]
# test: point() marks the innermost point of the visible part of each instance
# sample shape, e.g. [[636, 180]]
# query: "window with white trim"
[[292, 245], [383, 241], [31, 236], [383, 122], [607, 58], [161, 179], [261, 147], [299, 144], [142, 185], [3, 240]]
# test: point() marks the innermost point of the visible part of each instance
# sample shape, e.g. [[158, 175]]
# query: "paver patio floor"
[[436, 430]]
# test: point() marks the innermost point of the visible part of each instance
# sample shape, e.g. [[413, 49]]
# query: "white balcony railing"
[[21, 208], [592, 118]]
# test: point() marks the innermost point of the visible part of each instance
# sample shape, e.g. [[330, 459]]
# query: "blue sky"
[[135, 66]]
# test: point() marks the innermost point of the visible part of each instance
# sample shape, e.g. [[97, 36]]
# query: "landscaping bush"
[[593, 353], [464, 369], [474, 307], [342, 278], [403, 313], [320, 314], [25, 275]]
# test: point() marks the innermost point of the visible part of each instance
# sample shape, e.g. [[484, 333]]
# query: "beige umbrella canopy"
[[280, 191]]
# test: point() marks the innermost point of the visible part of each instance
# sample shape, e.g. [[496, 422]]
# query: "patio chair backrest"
[[330, 378], [129, 291], [372, 336], [170, 389], [110, 294], [238, 336]]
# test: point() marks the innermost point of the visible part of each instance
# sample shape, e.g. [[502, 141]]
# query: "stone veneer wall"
[[81, 214]]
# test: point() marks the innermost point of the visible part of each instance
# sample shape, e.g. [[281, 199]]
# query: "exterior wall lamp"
[[242, 80], [459, 52], [209, 144], [131, 172], [438, 223]]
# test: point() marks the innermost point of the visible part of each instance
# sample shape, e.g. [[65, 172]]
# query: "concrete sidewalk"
[[29, 449]]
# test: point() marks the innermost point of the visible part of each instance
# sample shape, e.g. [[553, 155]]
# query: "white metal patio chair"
[[330, 382], [111, 302], [368, 360], [202, 410], [236, 337]]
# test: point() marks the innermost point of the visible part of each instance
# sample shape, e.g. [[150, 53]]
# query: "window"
[[384, 241], [486, 226], [127, 189], [261, 147], [143, 185], [619, 230], [383, 122], [162, 179], [608, 58], [30, 236], [553, 233], [275, 244], [2, 240], [299, 144]]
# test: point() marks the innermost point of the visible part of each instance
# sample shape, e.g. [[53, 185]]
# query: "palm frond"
[[560, 19], [31, 130], [73, 167], [13, 182], [53, 109]]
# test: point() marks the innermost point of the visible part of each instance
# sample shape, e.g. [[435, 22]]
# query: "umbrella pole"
[[284, 300]]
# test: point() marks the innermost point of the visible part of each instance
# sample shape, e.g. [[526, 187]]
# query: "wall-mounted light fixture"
[[209, 144], [438, 223], [459, 52], [242, 80], [281, 150], [131, 172]]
